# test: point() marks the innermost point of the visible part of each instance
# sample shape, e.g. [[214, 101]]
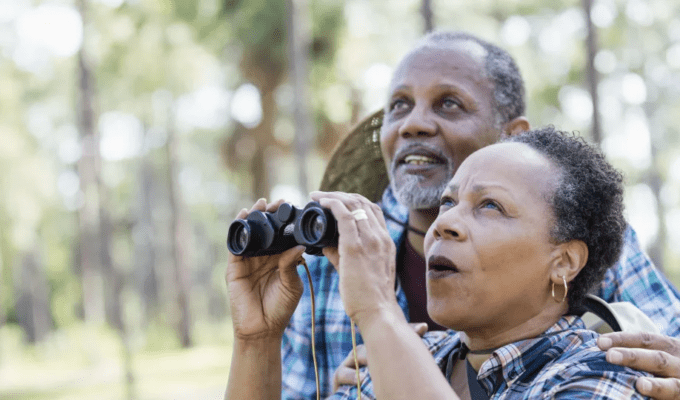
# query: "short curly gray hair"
[[587, 203]]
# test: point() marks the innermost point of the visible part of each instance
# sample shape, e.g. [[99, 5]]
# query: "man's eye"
[[398, 105], [450, 104]]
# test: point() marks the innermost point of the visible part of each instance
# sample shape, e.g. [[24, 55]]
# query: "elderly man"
[[451, 95]]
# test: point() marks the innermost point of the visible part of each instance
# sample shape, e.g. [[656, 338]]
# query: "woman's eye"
[[447, 202], [491, 205]]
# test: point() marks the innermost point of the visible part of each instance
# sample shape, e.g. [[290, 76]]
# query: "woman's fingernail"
[[614, 356]]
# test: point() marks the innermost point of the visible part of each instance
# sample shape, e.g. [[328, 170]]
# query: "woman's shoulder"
[[579, 369], [580, 352]]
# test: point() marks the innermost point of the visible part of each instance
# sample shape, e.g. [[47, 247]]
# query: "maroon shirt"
[[411, 273]]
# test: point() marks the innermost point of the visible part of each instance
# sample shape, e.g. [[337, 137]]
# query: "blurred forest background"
[[132, 131]]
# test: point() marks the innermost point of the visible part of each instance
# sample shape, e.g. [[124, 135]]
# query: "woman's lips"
[[440, 267]]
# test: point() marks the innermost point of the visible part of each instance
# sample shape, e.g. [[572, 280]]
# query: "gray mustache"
[[414, 147]]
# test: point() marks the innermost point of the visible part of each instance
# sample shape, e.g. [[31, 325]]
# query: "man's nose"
[[419, 122]]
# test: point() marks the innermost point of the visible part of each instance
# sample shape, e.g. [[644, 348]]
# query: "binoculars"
[[265, 233]]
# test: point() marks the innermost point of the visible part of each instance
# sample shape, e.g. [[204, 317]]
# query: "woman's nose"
[[450, 226], [419, 122]]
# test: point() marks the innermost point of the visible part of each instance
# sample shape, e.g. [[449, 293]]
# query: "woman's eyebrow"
[[453, 187], [478, 188]]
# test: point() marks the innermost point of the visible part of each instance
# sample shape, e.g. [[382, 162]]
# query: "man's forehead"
[[454, 51]]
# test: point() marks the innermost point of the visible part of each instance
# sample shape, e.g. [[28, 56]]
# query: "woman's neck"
[[484, 340]]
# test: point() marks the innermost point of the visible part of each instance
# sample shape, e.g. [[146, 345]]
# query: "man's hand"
[[263, 291], [346, 373], [656, 354]]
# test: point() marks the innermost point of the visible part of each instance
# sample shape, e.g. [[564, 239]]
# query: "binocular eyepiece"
[[263, 233]]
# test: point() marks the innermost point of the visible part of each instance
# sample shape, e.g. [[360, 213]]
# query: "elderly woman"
[[526, 227]]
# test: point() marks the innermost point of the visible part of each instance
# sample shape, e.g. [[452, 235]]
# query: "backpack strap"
[[623, 316]]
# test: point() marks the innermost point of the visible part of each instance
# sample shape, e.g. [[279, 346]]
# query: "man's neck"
[[421, 220]]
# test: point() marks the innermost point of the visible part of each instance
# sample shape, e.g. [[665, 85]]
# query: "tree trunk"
[[180, 236], [89, 169], [145, 245], [263, 134], [2, 276], [113, 278], [33, 309], [2, 267], [298, 36], [591, 45], [428, 16]]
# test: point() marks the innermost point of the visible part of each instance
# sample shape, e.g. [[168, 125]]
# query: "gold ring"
[[359, 214]]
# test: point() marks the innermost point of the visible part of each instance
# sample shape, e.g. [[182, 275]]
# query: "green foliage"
[[147, 54]]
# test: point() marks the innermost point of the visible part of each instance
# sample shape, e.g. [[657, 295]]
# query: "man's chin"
[[416, 196]]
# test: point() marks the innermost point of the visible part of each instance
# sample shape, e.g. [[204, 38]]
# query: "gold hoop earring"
[[564, 280]]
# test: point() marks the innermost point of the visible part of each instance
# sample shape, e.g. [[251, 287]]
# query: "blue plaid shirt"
[[634, 278], [564, 364]]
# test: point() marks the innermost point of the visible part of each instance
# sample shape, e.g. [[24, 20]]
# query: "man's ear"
[[516, 126], [569, 260]]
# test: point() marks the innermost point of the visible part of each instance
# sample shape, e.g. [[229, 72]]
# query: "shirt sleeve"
[[613, 386], [347, 392], [635, 279], [587, 375]]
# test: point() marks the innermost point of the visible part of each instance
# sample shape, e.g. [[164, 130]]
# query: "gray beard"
[[408, 191]]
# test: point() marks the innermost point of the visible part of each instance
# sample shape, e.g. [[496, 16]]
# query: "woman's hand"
[[365, 256], [656, 354], [263, 291]]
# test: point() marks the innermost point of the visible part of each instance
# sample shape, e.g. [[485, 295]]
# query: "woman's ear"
[[515, 126], [571, 258]]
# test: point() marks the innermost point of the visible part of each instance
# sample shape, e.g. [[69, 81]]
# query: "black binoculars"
[[263, 233]]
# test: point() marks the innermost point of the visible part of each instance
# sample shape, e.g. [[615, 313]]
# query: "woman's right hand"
[[263, 291]]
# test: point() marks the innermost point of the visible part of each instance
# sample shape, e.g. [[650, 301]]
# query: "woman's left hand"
[[656, 354], [365, 257]]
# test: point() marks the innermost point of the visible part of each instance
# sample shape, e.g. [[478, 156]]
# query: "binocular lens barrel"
[[239, 237], [263, 233], [314, 227]]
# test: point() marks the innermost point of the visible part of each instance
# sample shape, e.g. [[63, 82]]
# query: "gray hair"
[[587, 203]]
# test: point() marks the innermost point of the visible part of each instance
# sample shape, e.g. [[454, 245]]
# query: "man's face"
[[440, 111]]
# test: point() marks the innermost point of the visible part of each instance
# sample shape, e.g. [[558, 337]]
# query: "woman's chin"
[[446, 314]]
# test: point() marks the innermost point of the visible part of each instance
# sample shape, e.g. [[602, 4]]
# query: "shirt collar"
[[391, 205], [513, 360]]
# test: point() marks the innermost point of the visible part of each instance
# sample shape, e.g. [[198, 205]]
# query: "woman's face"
[[489, 250]]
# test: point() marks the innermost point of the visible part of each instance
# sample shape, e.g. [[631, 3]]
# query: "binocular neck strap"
[[405, 225]]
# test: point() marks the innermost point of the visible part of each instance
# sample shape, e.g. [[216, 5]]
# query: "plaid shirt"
[[564, 364], [634, 278]]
